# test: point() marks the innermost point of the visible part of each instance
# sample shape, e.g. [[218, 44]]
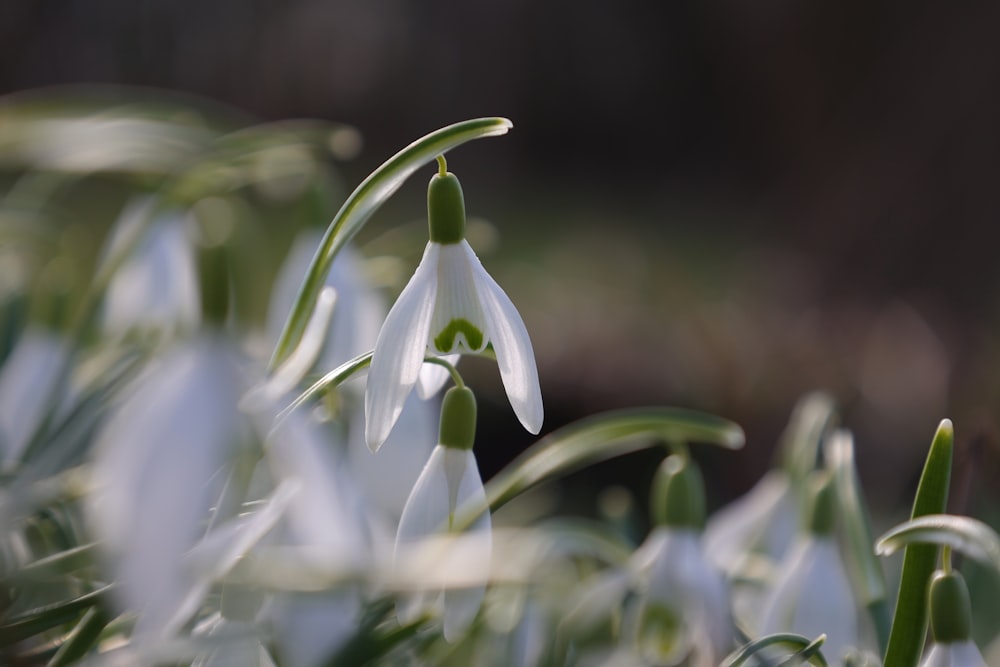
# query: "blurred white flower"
[[156, 286], [387, 476], [358, 313], [326, 526], [450, 306], [763, 521], [813, 594], [684, 609], [156, 475], [685, 605], [27, 386]]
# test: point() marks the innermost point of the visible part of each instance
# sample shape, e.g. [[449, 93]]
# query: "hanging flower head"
[[812, 594], [684, 612], [449, 481], [450, 306], [951, 623]]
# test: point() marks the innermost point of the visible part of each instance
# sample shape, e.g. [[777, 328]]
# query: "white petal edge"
[[512, 346], [955, 654], [400, 349]]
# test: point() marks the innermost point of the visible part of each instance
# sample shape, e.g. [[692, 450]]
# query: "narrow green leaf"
[[338, 375], [803, 649], [54, 565], [909, 625], [360, 205], [40, 619], [603, 437], [83, 638], [970, 536]]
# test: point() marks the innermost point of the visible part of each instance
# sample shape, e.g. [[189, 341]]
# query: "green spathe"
[[445, 209], [951, 611], [679, 494], [458, 418]]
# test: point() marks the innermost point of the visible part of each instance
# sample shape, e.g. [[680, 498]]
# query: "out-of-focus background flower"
[[714, 204]]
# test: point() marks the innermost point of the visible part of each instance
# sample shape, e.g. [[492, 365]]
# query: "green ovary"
[[660, 632], [473, 337]]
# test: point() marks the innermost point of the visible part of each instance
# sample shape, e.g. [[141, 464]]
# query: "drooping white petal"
[[813, 596], [400, 349], [154, 477], [512, 345], [448, 481], [26, 386], [954, 654]]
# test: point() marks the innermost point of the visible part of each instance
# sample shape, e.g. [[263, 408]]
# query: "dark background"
[[720, 205]]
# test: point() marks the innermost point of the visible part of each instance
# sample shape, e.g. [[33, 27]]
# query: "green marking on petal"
[[473, 337]]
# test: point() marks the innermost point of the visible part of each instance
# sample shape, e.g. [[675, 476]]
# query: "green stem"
[[456, 377], [909, 625]]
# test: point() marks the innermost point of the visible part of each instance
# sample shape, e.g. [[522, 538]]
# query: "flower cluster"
[[168, 496]]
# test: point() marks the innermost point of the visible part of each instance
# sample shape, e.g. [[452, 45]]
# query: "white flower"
[[156, 287], [449, 480], [763, 521], [685, 608], [155, 478], [813, 596], [954, 654], [451, 305]]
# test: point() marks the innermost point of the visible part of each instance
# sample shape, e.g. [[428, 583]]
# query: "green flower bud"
[[445, 209], [458, 418], [951, 611], [679, 494]]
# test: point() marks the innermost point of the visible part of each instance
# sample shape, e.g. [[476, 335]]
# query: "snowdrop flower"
[[155, 477], [325, 523], [951, 623], [450, 480], [684, 610], [451, 305], [156, 287], [813, 593]]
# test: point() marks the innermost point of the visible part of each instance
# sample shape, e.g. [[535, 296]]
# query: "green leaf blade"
[[909, 624]]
